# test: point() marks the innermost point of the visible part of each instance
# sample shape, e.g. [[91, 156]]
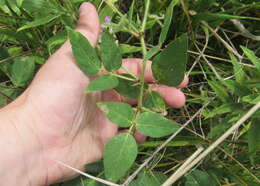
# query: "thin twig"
[[243, 31], [180, 169], [220, 59], [218, 141], [240, 164], [233, 50], [131, 177], [88, 175], [200, 54], [210, 65], [221, 149]]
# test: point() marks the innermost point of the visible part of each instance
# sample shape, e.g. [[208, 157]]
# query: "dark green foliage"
[[120, 153], [101, 83], [155, 125], [110, 53], [169, 66], [154, 102], [84, 53], [119, 113]]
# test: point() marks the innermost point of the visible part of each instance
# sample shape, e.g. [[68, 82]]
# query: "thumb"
[[88, 23], [61, 67]]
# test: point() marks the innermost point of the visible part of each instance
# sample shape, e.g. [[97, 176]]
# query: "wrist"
[[20, 156]]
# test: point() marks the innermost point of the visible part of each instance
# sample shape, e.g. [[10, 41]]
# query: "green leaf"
[[237, 68], [22, 71], [152, 52], [131, 11], [119, 155], [7, 65], [2, 2], [254, 138], [207, 16], [154, 102], [110, 53], [218, 129], [252, 98], [220, 91], [149, 178], [117, 112], [223, 109], [154, 125], [101, 83], [6, 93], [56, 41], [37, 7], [199, 178], [167, 21], [239, 89], [252, 57], [38, 22], [178, 141], [22, 36], [169, 66], [84, 53], [127, 88]]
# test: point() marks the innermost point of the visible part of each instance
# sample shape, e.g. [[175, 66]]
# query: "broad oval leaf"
[[119, 155], [110, 53], [117, 112], [154, 125], [154, 102], [169, 66], [84, 53], [101, 83], [38, 22]]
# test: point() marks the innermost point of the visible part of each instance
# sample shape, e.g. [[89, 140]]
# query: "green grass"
[[226, 76]]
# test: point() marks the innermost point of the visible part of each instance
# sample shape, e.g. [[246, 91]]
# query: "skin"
[[54, 120]]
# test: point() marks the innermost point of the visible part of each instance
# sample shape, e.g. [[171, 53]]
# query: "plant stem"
[[123, 77], [140, 99], [147, 5], [144, 51]]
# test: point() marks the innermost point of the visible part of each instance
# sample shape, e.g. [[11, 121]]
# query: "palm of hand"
[[66, 124]]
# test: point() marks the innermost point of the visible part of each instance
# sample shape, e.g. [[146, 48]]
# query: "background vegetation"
[[223, 68]]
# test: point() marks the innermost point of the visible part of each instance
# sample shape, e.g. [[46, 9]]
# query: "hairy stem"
[[144, 51]]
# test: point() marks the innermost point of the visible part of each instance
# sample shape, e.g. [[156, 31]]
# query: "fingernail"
[[83, 8]]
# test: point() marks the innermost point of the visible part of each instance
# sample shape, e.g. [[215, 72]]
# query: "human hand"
[[54, 120]]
